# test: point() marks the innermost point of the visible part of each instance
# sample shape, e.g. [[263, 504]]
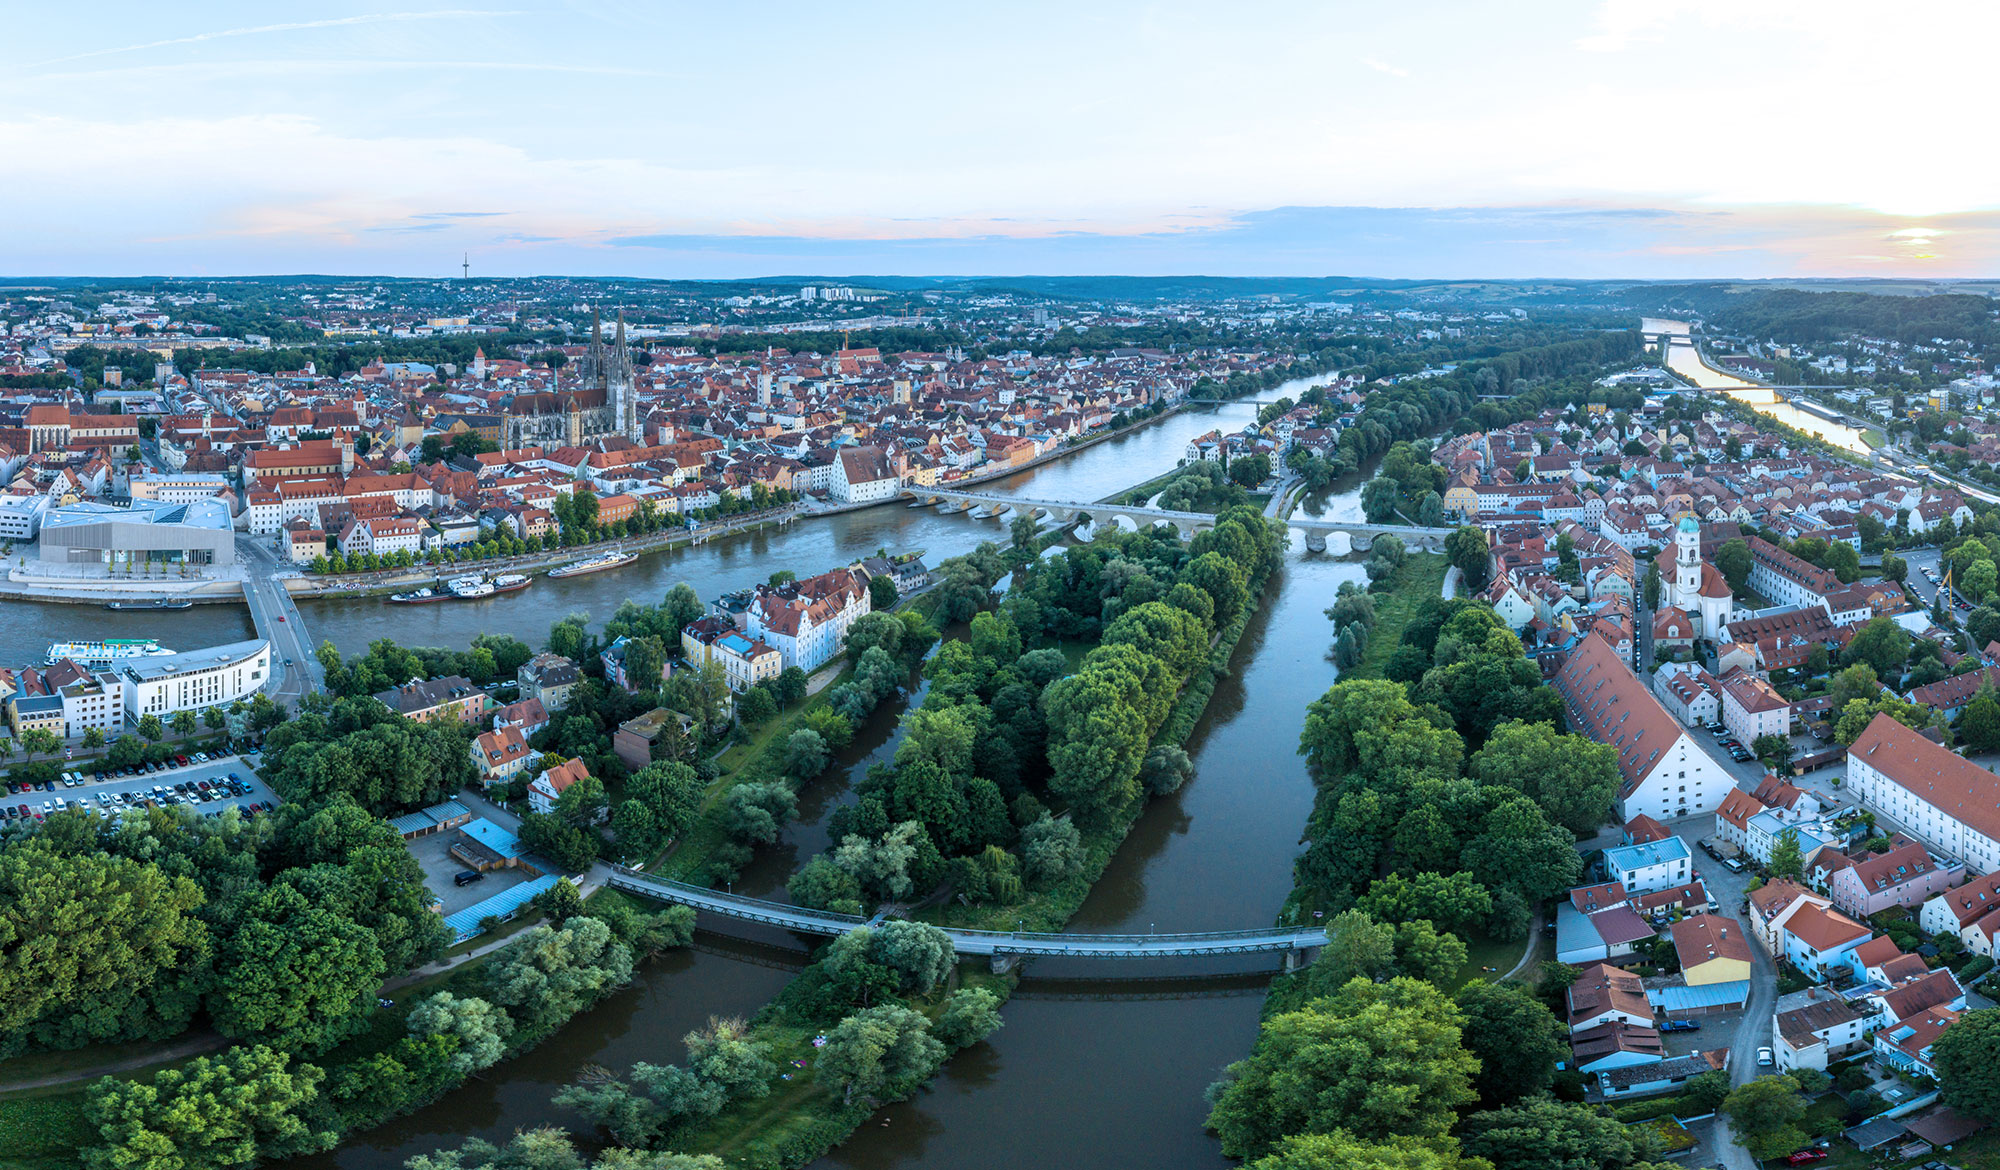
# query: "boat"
[[597, 564], [419, 597], [105, 651], [512, 582], [466, 588], [160, 603]]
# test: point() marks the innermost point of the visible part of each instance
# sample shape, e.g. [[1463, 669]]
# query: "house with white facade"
[[1655, 865], [806, 621], [1666, 774], [1930, 792], [862, 475], [1813, 1027], [1752, 707], [194, 680]]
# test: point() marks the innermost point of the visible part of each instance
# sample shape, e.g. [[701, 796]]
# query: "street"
[[295, 672]]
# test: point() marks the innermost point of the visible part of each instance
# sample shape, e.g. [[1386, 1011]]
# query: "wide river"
[[1093, 1069], [1684, 358]]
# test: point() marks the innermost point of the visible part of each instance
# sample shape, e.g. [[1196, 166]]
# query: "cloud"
[[1384, 67], [262, 29], [456, 214]]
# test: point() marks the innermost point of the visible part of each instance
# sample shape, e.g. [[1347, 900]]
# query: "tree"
[[879, 1051], [1453, 901], [184, 723], [549, 973], [1340, 1150], [1468, 552], [970, 1015], [1051, 850], [1786, 858], [1774, 750], [672, 792], [1968, 1075], [756, 706], [1765, 1113], [724, 1054], [1357, 947], [1979, 723], [1705, 1091], [40, 741], [1517, 1039], [680, 608], [1546, 1134], [1165, 769], [1881, 644], [1894, 568], [583, 802], [1376, 1060], [1379, 499], [1735, 562], [479, 1028], [806, 754], [882, 866], [882, 593], [91, 945], [550, 1148], [217, 1113], [93, 737], [297, 972], [756, 813], [645, 662], [1651, 591], [1572, 779]]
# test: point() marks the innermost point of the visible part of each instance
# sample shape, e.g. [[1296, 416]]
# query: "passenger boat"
[[159, 603]]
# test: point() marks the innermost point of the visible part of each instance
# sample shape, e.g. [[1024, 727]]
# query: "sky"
[[1421, 139]]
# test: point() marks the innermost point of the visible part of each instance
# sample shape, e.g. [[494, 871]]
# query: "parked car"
[[1681, 1026], [1764, 1058], [466, 877], [1734, 865], [1801, 1157]]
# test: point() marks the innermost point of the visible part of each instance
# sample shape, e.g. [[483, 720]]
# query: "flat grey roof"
[[189, 661]]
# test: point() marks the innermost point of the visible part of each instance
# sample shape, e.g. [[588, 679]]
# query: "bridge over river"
[[1360, 535], [1003, 947]]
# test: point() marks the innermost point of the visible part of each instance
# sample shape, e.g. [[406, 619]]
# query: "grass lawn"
[[1482, 952], [1421, 578], [43, 1132]]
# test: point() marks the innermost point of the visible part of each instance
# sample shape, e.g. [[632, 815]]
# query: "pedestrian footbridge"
[[1002, 946], [986, 505]]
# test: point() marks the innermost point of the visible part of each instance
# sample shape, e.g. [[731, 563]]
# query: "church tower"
[[1687, 561]]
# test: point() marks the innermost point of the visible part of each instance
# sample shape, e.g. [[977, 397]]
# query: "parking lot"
[[432, 852], [133, 791]]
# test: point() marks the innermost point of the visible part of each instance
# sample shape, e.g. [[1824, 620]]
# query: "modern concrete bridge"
[[1003, 947], [985, 505]]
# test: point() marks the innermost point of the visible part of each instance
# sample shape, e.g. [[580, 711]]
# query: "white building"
[[1752, 707], [1689, 693], [97, 701], [806, 622], [1930, 792], [1693, 586], [195, 680], [1654, 865], [1666, 774], [181, 488], [21, 516], [862, 475]]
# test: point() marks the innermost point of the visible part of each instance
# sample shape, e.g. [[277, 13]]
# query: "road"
[[295, 672]]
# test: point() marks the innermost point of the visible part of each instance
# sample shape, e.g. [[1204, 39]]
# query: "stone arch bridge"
[[983, 505]]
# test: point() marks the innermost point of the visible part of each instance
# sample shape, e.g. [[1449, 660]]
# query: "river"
[[1215, 855], [1684, 358]]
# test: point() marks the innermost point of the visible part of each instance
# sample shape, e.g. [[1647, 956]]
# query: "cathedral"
[[602, 402], [1698, 589]]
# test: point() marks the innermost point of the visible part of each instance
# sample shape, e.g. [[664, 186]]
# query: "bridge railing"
[[741, 904], [981, 942]]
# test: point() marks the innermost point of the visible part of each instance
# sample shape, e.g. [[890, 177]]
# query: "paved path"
[[182, 1049]]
